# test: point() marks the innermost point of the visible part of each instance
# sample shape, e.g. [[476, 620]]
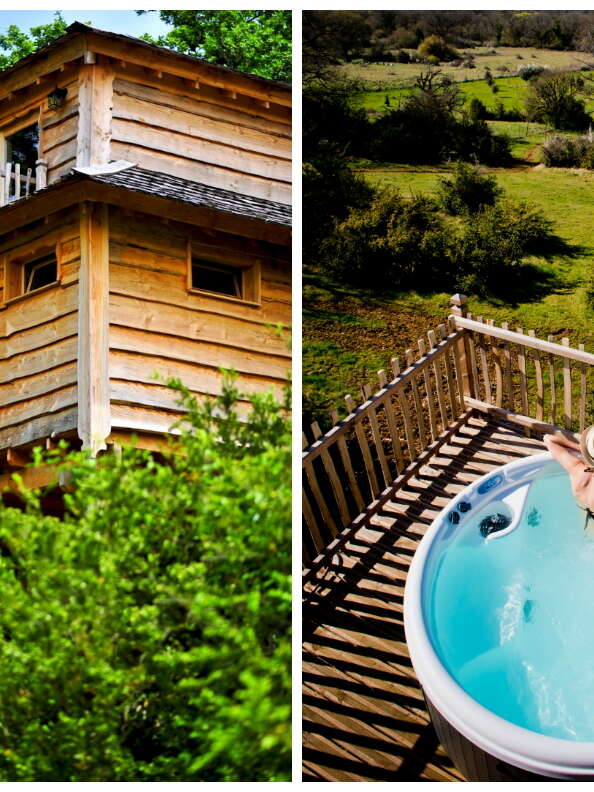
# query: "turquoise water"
[[512, 617]]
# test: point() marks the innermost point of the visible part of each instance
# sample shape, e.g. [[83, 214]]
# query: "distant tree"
[[553, 98], [257, 42], [437, 47], [18, 44]]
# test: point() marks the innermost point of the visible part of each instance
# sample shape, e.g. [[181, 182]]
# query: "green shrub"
[[477, 110], [146, 635], [468, 190], [438, 48], [559, 151], [495, 242], [393, 243], [530, 70]]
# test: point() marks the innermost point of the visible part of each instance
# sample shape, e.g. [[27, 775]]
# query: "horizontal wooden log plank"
[[187, 122], [206, 173], [59, 133], [195, 148], [39, 427], [140, 368], [38, 337], [28, 363], [171, 290], [203, 103], [170, 320], [38, 406], [525, 340], [185, 350], [40, 309], [46, 381]]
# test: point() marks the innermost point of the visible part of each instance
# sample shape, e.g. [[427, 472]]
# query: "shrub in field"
[[437, 47], [495, 242], [468, 190], [559, 151], [477, 110], [393, 243], [146, 635], [530, 70]]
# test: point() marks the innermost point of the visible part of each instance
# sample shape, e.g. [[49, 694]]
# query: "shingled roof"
[[175, 188]]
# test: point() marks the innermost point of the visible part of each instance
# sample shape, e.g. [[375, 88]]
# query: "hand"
[[582, 481]]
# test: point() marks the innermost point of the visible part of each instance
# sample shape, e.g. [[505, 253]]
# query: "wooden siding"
[[201, 140], [158, 327], [38, 356], [365, 718]]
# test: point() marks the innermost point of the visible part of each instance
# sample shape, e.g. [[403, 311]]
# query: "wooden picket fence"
[[466, 366], [15, 184]]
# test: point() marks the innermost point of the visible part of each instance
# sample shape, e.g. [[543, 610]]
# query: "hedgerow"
[[145, 634]]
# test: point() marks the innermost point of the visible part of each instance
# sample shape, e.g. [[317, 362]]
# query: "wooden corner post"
[[95, 98], [94, 423], [459, 307]]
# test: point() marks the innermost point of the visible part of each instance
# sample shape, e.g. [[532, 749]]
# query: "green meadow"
[[349, 335]]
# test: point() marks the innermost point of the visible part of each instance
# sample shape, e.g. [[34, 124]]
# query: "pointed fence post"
[[459, 307]]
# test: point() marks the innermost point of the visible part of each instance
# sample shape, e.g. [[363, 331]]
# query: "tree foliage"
[[16, 44], [258, 42], [145, 636], [554, 98]]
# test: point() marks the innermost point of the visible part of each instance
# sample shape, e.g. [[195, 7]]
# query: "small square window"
[[235, 278], [23, 276], [217, 278], [39, 272], [22, 147]]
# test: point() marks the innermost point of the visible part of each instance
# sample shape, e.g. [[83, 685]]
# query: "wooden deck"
[[364, 714]]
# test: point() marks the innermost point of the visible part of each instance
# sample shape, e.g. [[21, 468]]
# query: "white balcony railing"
[[16, 184]]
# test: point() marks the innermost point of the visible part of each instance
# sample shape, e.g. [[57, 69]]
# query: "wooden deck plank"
[[364, 714]]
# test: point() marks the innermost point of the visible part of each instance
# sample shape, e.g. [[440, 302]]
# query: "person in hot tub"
[[568, 454]]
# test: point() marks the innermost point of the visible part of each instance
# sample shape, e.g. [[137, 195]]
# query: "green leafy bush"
[[560, 151], [437, 48], [530, 70], [146, 635], [496, 240], [468, 190], [392, 243]]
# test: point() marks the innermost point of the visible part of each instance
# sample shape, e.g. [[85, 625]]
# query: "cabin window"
[[24, 276], [39, 272], [230, 281], [216, 278], [22, 147]]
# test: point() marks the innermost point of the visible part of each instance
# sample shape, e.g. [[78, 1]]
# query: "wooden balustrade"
[[15, 184], [355, 467], [349, 469], [540, 384]]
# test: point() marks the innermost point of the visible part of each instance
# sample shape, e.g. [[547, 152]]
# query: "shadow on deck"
[[364, 714]]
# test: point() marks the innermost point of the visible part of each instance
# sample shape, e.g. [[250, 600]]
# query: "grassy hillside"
[[348, 335], [502, 58]]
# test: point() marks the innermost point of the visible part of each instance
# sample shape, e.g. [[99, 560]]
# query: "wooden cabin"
[[471, 397], [144, 229]]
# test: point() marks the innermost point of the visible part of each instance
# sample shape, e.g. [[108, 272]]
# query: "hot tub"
[[499, 620]]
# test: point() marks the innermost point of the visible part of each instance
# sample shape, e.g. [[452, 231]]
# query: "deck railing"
[[16, 184], [468, 365]]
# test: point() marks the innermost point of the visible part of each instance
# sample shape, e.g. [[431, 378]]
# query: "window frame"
[[14, 272], [248, 269], [11, 129]]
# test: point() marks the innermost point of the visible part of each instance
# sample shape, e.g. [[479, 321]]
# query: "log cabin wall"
[[157, 325], [201, 134], [38, 335], [58, 128]]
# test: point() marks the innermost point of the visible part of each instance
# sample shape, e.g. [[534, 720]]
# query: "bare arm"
[[567, 453]]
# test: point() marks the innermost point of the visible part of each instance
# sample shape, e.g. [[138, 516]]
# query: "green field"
[[511, 92], [349, 335]]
